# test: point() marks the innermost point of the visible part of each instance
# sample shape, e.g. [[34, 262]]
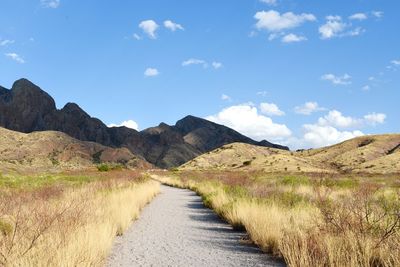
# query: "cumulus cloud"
[[273, 21], [271, 109], [216, 65], [194, 61], [337, 80], [172, 26], [290, 38], [270, 2], [151, 72], [336, 119], [129, 124], [50, 3], [246, 120], [15, 57], [336, 27], [332, 28], [149, 27], [308, 108], [319, 136], [327, 130], [375, 118], [358, 16], [6, 42]]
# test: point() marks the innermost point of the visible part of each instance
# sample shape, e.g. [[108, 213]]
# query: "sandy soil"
[[177, 230]]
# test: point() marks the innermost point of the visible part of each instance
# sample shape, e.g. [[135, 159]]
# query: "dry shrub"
[[330, 222], [69, 226]]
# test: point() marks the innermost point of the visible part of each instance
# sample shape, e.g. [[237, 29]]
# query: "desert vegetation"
[[307, 219], [68, 219]]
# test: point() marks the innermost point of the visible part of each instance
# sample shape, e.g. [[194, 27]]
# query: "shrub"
[[247, 163], [103, 167]]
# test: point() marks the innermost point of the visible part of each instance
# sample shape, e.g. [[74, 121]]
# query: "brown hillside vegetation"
[[45, 151], [375, 154]]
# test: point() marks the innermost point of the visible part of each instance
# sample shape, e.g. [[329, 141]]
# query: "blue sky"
[[302, 73]]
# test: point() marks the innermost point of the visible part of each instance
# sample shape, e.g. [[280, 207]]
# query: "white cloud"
[[366, 88], [377, 14], [337, 80], [246, 120], [358, 16], [326, 131], [336, 119], [216, 65], [129, 124], [226, 97], [308, 108], [395, 62], [6, 42], [332, 28], [355, 32], [137, 36], [170, 25], [273, 21], [194, 61], [319, 136], [290, 38], [149, 27], [270, 2], [151, 72], [335, 27], [15, 57], [375, 118], [271, 109], [50, 3]]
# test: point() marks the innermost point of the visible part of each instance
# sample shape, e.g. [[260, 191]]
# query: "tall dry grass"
[[306, 222], [69, 226]]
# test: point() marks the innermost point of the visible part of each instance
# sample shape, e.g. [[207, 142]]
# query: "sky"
[[300, 73]]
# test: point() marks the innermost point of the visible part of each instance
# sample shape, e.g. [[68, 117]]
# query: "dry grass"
[[61, 225], [307, 221], [373, 154]]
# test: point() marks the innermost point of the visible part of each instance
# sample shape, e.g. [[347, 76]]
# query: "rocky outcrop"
[[27, 108]]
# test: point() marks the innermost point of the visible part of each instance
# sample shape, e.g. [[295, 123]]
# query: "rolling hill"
[[374, 154], [49, 150]]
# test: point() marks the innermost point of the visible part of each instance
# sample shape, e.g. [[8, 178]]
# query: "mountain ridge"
[[27, 108]]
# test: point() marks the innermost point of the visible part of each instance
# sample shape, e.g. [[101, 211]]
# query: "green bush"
[[103, 167]]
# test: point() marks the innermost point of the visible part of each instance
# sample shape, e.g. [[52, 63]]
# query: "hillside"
[[375, 154], [42, 151], [27, 108]]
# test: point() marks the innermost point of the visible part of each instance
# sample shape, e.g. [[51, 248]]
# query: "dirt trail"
[[177, 230]]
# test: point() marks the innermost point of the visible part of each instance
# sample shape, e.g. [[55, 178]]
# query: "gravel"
[[176, 229]]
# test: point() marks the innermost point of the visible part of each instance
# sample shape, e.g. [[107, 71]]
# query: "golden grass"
[[73, 226], [306, 224]]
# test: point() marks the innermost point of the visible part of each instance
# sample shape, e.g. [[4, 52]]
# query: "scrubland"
[[307, 219], [68, 219]]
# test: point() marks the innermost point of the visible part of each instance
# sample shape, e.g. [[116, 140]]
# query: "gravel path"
[[175, 229]]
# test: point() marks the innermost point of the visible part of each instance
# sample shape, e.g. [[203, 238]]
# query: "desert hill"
[[27, 108], [374, 154], [51, 150]]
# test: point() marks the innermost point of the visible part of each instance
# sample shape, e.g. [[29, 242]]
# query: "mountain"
[[372, 154], [27, 108], [49, 150]]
